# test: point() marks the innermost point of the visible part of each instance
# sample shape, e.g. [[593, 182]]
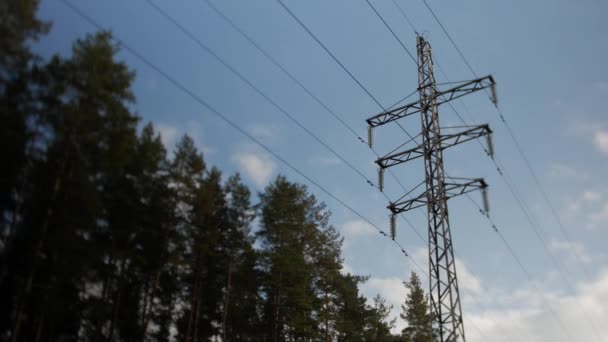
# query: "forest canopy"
[[107, 236]]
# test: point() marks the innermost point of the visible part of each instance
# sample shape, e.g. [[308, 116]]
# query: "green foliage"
[[106, 237], [416, 313]]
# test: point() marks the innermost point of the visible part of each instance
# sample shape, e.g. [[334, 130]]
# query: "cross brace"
[[452, 189], [445, 141], [441, 97]]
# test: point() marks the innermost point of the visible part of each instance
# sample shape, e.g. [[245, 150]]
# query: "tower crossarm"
[[465, 89], [449, 140], [452, 187], [441, 97], [446, 140]]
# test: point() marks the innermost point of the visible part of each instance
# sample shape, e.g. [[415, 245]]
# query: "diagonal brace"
[[441, 97], [446, 140], [452, 189]]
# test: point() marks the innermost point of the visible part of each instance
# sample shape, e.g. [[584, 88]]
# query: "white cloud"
[[575, 250], [466, 279], [559, 170], [356, 229], [421, 257], [264, 131], [596, 131], [592, 196], [524, 313], [346, 268], [258, 166], [600, 216], [535, 320], [601, 140], [392, 290], [168, 134], [589, 209]]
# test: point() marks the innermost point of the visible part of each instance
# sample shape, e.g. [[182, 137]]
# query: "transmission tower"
[[444, 295]]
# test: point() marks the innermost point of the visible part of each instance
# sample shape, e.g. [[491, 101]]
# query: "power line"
[[527, 213], [392, 32], [530, 169], [407, 19], [333, 57], [517, 146], [533, 224], [520, 264], [273, 103], [352, 76], [329, 52], [312, 35], [281, 67], [190, 35], [233, 124], [277, 64], [307, 91], [283, 111], [449, 37], [336, 59], [314, 97], [498, 168]]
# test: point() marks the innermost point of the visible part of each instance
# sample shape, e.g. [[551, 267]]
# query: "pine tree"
[[103, 238], [289, 219], [20, 87], [416, 313], [89, 126], [352, 311], [379, 325], [241, 320]]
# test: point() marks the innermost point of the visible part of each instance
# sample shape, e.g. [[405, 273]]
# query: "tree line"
[[107, 236]]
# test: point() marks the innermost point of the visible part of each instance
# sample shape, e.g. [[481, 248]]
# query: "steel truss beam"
[[441, 97], [451, 190], [445, 141]]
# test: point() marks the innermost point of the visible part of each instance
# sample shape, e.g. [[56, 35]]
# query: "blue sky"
[[548, 58]]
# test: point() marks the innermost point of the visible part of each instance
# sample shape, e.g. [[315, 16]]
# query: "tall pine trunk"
[[148, 311], [191, 313], [197, 313], [19, 202], [326, 317], [275, 329], [39, 329], [192, 330], [145, 295], [117, 302], [227, 299], [40, 243]]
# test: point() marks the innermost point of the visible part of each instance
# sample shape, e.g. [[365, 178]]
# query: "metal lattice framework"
[[444, 294], [441, 98]]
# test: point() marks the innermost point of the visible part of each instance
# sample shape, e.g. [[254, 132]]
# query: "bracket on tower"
[[440, 96], [446, 141], [452, 189]]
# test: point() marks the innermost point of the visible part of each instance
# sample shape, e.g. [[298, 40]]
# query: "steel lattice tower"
[[444, 294]]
